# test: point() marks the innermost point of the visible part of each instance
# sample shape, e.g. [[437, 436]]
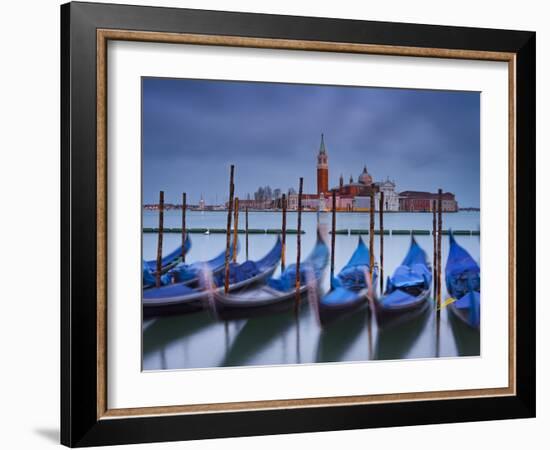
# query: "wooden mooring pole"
[[159, 241], [434, 232], [298, 245], [246, 230], [333, 238], [228, 230], [183, 226], [438, 288], [235, 228], [371, 235], [381, 226], [439, 227], [283, 229]]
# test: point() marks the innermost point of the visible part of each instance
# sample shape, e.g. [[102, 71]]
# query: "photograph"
[[274, 224], [289, 224]]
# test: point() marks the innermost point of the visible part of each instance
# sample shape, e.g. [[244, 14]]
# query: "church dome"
[[365, 178]]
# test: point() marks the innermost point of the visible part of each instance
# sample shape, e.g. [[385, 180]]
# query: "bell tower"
[[322, 168]]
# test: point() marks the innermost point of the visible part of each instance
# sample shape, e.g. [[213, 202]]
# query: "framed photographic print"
[[277, 224]]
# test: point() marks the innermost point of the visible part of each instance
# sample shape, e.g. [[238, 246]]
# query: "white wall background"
[[29, 190]]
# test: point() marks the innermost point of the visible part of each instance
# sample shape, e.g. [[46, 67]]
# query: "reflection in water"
[[226, 333], [198, 341], [298, 358], [257, 335], [163, 365], [172, 342], [467, 339], [335, 341], [396, 341], [438, 334], [163, 330]]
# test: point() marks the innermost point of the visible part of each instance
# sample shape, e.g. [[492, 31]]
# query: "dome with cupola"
[[365, 177]]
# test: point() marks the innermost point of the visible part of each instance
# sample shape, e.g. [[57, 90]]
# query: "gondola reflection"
[[258, 335], [467, 339], [396, 340], [275, 336], [168, 329], [335, 341]]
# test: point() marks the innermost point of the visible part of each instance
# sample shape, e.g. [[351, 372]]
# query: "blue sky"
[[192, 131]]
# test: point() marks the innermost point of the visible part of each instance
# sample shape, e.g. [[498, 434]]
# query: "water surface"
[[198, 341]]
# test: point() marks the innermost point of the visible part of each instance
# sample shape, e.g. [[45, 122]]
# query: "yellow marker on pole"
[[447, 302]]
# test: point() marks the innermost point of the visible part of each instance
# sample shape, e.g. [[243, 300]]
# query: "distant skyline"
[[193, 130]]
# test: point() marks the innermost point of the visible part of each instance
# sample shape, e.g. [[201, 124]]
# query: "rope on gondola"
[[447, 302]]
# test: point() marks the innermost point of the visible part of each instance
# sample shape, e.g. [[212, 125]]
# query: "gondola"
[[189, 274], [181, 298], [278, 294], [407, 292], [170, 260], [463, 284], [148, 277], [350, 290]]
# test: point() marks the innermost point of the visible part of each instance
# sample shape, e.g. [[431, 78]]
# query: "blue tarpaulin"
[[315, 263], [463, 280], [409, 279], [171, 257]]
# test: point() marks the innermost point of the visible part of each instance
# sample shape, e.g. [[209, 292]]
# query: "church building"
[[363, 187], [322, 168], [351, 196]]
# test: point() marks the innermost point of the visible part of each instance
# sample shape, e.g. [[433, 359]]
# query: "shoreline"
[[340, 231], [310, 211]]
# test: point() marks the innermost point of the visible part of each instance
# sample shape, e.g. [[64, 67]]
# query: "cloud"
[[422, 139]]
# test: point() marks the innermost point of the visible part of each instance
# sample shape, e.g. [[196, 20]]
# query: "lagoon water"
[[198, 341]]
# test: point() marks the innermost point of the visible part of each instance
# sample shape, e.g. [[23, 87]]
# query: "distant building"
[[351, 196], [415, 201], [254, 204], [292, 201], [363, 187], [309, 201], [322, 168], [391, 198], [322, 203], [361, 203], [343, 203]]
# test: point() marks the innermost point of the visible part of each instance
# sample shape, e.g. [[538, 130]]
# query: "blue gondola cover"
[[351, 279], [171, 257], [249, 269], [186, 272], [463, 279], [315, 263], [412, 274]]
